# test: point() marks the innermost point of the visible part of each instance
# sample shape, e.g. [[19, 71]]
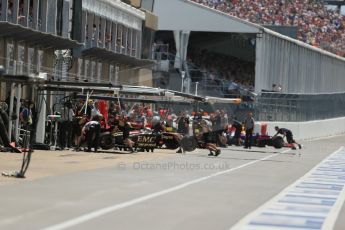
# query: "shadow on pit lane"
[[74, 153], [237, 158], [118, 152], [240, 149], [248, 159], [223, 156]]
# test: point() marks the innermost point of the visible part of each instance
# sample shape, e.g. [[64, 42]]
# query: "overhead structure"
[[142, 92], [195, 17], [112, 31]]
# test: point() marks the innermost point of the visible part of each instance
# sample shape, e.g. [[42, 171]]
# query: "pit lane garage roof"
[[104, 89], [115, 57]]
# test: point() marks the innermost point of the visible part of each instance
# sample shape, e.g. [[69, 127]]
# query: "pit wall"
[[310, 129]]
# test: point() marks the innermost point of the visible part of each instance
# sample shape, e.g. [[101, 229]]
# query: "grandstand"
[[317, 25], [278, 60], [272, 61], [209, 62]]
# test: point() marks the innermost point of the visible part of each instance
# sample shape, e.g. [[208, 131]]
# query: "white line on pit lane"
[[115, 207], [307, 203]]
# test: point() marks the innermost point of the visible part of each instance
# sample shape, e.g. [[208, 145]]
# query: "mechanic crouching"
[[289, 136], [91, 131], [125, 128], [212, 147]]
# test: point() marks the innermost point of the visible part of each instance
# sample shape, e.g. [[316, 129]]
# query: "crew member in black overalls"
[[159, 127], [125, 128], [66, 126], [249, 127], [183, 124], [214, 150], [182, 127], [289, 137]]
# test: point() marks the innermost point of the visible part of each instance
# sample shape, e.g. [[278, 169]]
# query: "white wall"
[[296, 66], [311, 129]]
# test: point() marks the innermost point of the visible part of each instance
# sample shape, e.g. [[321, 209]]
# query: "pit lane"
[[216, 193]]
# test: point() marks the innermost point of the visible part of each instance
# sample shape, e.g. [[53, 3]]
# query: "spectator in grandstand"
[[317, 25], [221, 69], [233, 89]]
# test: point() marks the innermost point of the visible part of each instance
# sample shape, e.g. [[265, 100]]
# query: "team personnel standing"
[[183, 124], [238, 129], [66, 126], [289, 136], [249, 127], [182, 127]]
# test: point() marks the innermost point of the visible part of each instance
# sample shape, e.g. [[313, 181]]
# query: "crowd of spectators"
[[231, 71], [317, 25]]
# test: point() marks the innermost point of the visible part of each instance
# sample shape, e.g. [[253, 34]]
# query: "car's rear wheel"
[[189, 143], [278, 142], [107, 141], [171, 144]]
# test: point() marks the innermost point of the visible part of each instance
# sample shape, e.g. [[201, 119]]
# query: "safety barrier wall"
[[311, 129]]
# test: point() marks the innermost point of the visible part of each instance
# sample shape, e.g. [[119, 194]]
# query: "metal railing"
[[299, 107], [34, 17], [15, 67]]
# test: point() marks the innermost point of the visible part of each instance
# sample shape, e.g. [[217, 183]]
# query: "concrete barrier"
[[311, 129]]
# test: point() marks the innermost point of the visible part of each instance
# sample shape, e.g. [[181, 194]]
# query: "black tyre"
[[189, 143], [107, 141], [172, 144], [278, 142]]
